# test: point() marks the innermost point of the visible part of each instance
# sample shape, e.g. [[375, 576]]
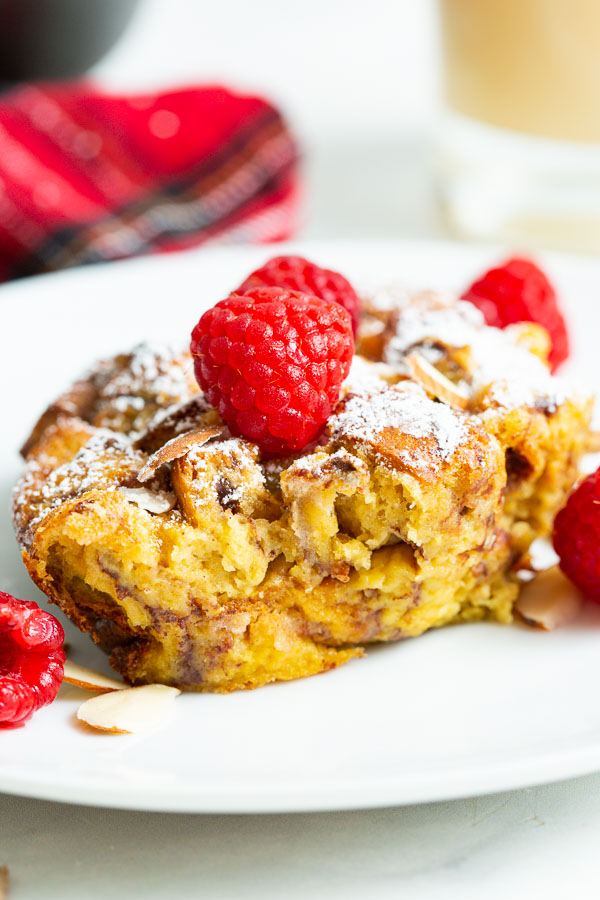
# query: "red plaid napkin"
[[86, 177]]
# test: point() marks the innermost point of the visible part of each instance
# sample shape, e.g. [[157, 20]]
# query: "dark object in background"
[[58, 38]]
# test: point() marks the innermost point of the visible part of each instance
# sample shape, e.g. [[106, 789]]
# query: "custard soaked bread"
[[196, 561]]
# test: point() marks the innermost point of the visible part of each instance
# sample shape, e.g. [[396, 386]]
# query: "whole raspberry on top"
[[577, 537], [31, 659], [299, 274], [272, 362], [518, 291]]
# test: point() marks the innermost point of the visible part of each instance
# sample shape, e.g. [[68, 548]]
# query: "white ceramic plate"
[[457, 712]]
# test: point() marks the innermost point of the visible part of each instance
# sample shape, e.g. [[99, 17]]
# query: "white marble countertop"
[[540, 842]]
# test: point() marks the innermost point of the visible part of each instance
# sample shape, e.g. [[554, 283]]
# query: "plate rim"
[[370, 794], [555, 765]]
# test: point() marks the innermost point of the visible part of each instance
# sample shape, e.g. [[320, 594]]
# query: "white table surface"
[[537, 843], [541, 842]]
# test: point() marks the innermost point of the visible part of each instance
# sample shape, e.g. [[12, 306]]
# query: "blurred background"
[[357, 81], [466, 118]]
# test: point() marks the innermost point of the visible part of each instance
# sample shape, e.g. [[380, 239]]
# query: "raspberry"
[[518, 291], [272, 362], [577, 537], [31, 659], [299, 274]]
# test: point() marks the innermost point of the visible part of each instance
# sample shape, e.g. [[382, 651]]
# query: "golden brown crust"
[[408, 515], [124, 393], [74, 403]]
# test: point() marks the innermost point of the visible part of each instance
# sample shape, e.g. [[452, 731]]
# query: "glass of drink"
[[519, 149]]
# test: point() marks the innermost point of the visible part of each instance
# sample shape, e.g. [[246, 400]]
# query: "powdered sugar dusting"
[[390, 297], [180, 417], [516, 375], [124, 404], [321, 465], [106, 461], [154, 367], [407, 408], [366, 377], [131, 387], [386, 297], [239, 452], [236, 446]]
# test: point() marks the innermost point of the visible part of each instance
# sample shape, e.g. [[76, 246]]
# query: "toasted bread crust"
[[408, 515]]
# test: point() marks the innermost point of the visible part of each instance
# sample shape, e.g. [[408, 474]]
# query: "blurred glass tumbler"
[[519, 149], [57, 38]]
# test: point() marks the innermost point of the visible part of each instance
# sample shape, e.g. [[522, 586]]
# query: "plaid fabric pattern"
[[86, 177]]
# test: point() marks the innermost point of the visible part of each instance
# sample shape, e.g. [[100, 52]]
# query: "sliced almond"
[[549, 600], [173, 421], [435, 383], [128, 711], [89, 680], [152, 501], [177, 447], [4, 882]]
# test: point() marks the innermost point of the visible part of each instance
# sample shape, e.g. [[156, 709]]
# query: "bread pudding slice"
[[196, 562]]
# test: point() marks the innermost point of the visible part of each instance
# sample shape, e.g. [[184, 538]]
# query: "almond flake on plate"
[[176, 448], [85, 678], [435, 383], [130, 710], [549, 600]]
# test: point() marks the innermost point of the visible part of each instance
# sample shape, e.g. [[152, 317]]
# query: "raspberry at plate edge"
[[577, 537], [31, 659], [518, 291]]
